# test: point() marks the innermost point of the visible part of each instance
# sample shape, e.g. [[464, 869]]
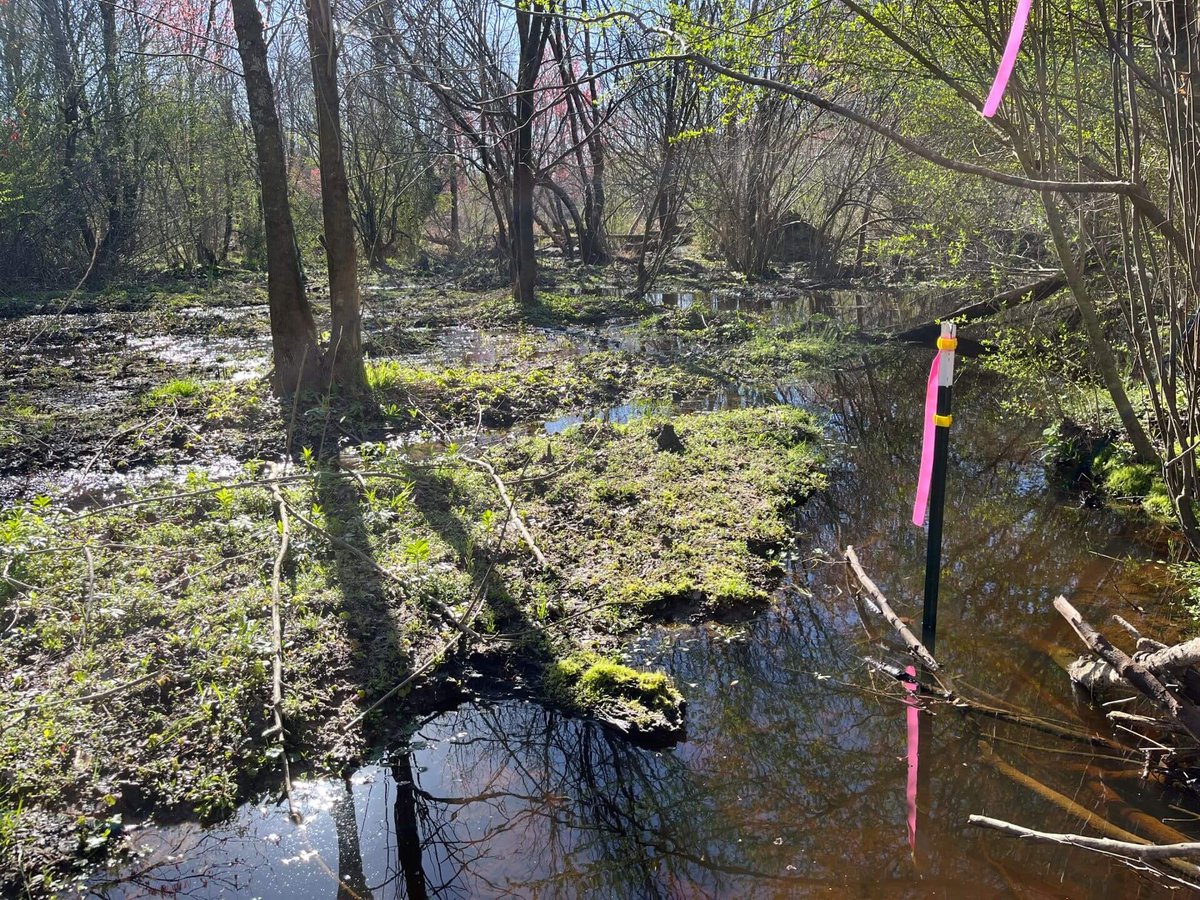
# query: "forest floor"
[[534, 485]]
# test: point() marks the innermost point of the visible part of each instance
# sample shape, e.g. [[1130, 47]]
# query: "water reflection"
[[797, 775]]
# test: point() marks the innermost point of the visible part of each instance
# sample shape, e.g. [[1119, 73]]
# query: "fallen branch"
[[510, 507], [1131, 719], [957, 700], [910, 640], [1034, 292], [1179, 656], [281, 511], [1135, 673], [86, 698], [1145, 852]]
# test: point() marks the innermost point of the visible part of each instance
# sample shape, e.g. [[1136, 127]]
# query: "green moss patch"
[[744, 346], [643, 704], [1127, 482], [563, 309], [639, 528]]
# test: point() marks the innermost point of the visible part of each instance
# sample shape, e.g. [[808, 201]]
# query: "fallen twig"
[[1132, 849], [1088, 817], [510, 506], [281, 510], [86, 698], [910, 640]]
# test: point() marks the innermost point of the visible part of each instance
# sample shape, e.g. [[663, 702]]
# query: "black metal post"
[[937, 509]]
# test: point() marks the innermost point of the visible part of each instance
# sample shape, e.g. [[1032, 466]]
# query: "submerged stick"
[[1146, 852], [1069, 806], [1028, 720], [910, 640]]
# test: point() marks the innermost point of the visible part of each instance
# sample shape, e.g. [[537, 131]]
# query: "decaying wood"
[[1131, 849], [1137, 674], [1096, 676], [1088, 817], [510, 508], [1179, 656], [910, 640]]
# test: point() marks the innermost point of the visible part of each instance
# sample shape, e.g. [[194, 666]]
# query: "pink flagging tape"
[[1009, 60], [921, 505], [913, 727]]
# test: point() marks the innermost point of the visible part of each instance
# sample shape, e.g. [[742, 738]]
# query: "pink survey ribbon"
[[913, 723], [1011, 49], [921, 505]]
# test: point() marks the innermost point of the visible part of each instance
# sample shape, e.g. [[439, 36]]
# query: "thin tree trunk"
[[532, 32], [1106, 362], [345, 342], [293, 332]]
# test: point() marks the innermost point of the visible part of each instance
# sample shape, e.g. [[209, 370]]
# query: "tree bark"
[[119, 186], [345, 341], [532, 33], [293, 332]]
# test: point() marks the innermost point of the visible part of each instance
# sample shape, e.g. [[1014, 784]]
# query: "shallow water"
[[793, 778]]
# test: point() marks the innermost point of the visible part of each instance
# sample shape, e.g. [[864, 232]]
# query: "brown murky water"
[[793, 779]]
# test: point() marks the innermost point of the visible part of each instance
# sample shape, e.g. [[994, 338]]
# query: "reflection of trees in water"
[[556, 806]]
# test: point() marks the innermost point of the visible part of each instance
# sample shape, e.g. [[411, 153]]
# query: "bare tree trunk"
[[345, 342], [532, 32], [72, 105], [1105, 360], [455, 228], [119, 187], [293, 332]]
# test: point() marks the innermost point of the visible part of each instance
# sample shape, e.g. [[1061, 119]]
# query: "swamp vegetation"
[[455, 447]]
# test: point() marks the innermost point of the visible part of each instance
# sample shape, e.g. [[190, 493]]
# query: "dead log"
[[910, 640], [1039, 290], [1096, 676], [1182, 711], [1179, 656]]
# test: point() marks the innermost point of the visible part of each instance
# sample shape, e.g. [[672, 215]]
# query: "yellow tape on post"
[[944, 343], [942, 421]]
